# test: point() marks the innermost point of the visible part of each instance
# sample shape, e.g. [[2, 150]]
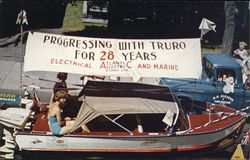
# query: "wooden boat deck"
[[196, 120]]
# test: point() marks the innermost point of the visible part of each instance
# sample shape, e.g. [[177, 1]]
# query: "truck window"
[[223, 74], [208, 68]]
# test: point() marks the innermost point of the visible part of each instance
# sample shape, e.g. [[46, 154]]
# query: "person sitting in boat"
[[57, 125], [71, 104]]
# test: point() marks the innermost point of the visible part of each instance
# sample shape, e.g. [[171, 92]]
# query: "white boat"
[[110, 110]]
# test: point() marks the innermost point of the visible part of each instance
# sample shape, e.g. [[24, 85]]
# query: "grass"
[[72, 21]]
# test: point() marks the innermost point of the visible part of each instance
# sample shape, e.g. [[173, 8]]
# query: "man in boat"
[[62, 85]]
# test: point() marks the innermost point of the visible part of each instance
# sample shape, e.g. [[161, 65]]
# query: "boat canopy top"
[[109, 98]]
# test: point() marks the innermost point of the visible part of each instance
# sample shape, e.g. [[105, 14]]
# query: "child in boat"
[[57, 125]]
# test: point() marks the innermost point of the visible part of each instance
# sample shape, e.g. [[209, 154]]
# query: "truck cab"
[[221, 82]]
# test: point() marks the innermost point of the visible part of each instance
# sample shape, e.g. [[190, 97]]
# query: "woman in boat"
[[68, 110], [57, 125]]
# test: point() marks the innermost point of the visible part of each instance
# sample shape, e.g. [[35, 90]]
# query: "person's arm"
[[59, 117], [244, 55]]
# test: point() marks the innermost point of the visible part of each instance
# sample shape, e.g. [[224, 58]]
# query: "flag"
[[206, 25], [22, 18]]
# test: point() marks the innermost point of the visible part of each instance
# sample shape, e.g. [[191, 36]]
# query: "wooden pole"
[[21, 19]]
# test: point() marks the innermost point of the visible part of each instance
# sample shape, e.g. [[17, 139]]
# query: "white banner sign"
[[173, 58]]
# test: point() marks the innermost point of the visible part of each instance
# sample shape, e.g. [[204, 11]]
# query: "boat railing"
[[224, 116]]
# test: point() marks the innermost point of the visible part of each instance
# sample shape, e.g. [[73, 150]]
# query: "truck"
[[221, 82]]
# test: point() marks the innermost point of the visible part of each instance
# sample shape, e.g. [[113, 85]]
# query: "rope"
[[39, 87], [213, 121], [47, 80], [183, 84]]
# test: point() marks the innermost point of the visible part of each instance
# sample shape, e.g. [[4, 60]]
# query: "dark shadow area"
[[158, 19], [122, 156], [40, 14], [139, 30], [90, 31], [167, 19], [132, 19]]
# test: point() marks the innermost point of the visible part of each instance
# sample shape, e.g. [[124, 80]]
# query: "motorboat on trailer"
[[134, 117]]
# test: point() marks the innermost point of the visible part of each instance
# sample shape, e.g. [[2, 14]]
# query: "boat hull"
[[218, 139]]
